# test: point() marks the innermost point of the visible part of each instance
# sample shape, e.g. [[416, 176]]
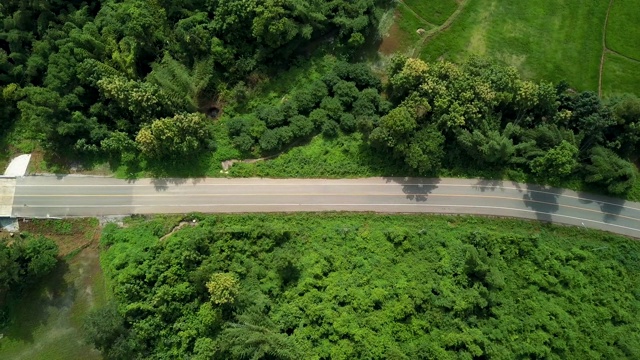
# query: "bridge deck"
[[7, 190]]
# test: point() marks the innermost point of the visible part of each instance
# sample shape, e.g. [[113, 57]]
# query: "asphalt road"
[[51, 196]]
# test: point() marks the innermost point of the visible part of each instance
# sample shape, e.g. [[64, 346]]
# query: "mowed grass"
[[621, 75], [436, 12], [46, 321], [548, 39], [623, 30]]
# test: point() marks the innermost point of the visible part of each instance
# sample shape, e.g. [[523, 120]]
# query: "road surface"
[[62, 196]]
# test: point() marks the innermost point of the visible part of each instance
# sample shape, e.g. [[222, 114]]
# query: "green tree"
[[557, 163], [223, 288], [183, 134], [607, 169], [105, 329], [425, 152], [252, 337]]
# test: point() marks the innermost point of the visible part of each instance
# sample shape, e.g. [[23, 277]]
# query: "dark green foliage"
[[25, 260], [271, 115], [347, 122], [301, 126], [333, 107], [368, 287], [270, 141], [328, 106], [486, 113], [330, 128], [610, 171], [78, 71], [105, 329]]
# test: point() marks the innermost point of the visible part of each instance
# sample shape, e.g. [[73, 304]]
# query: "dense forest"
[[23, 260], [477, 115], [108, 76], [131, 80], [338, 286]]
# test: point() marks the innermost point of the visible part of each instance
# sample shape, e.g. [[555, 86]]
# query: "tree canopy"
[[366, 287], [73, 73]]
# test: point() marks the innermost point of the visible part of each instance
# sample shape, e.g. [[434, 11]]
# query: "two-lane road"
[[51, 196]]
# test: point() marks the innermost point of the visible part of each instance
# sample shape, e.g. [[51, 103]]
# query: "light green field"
[[621, 75], [623, 30], [551, 40], [435, 12]]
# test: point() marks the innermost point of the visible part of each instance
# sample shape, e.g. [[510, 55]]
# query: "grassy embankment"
[[46, 320]]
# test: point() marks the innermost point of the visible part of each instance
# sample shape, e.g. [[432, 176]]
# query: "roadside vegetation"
[[43, 315], [347, 286]]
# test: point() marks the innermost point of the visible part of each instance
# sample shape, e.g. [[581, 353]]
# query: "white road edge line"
[[365, 205]]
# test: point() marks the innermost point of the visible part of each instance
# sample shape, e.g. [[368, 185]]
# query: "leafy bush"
[[368, 286]]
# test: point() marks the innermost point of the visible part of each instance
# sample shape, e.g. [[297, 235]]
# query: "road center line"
[[427, 195]]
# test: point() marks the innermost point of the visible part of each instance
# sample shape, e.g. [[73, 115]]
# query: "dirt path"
[[604, 48], [433, 32], [623, 55], [416, 15]]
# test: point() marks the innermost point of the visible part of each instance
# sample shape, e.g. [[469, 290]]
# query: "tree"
[[41, 255], [223, 288], [397, 125], [105, 328], [557, 163], [254, 338], [301, 126], [271, 115], [607, 169], [181, 135], [425, 152]]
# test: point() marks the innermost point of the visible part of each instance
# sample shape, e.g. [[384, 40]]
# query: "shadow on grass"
[[31, 308]]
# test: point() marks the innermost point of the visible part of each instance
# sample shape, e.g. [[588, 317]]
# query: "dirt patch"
[[392, 41], [180, 226], [71, 235]]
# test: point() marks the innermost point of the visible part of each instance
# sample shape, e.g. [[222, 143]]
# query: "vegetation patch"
[[435, 12], [623, 32], [69, 234], [620, 75], [544, 40], [46, 321], [59, 280], [347, 286]]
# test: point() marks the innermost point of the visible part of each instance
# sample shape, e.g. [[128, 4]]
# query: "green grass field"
[[550, 40], [544, 40], [435, 12], [620, 75], [623, 31]]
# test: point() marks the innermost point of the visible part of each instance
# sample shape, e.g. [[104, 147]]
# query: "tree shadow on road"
[[610, 207], [542, 200], [416, 189], [492, 185], [162, 184]]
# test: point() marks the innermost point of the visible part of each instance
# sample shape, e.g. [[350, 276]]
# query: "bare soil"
[[391, 43]]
